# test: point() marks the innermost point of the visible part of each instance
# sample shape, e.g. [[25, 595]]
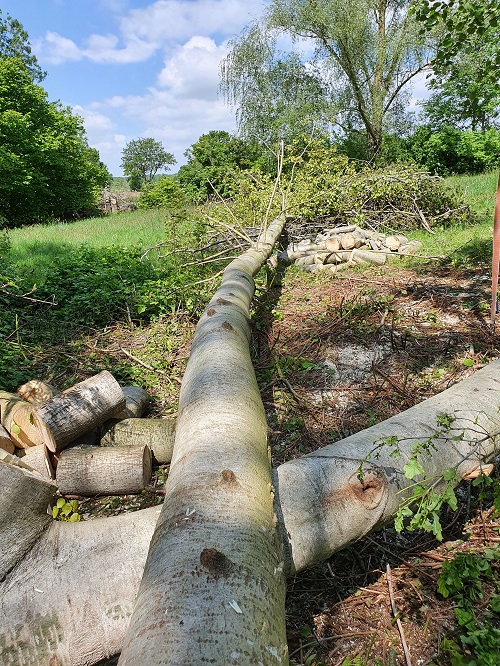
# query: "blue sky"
[[138, 68], [135, 68]]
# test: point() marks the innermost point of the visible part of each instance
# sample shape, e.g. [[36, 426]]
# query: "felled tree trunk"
[[213, 589], [81, 408], [324, 504], [158, 434], [67, 598], [93, 470]]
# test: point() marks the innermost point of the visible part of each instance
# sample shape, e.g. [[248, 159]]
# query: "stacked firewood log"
[[341, 247], [90, 439]]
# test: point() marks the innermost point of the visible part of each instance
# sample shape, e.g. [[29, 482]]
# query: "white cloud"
[[141, 32], [177, 20], [177, 123], [55, 49], [193, 71]]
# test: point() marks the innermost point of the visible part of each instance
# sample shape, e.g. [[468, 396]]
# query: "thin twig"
[[138, 360], [395, 612]]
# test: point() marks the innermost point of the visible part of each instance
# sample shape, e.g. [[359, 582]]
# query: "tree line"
[[346, 79]]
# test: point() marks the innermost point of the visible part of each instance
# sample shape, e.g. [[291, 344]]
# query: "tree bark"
[[325, 506], [94, 470], [158, 434], [136, 402], [81, 408], [213, 588], [23, 518], [69, 601]]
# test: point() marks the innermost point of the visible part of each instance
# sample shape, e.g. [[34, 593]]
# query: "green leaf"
[[74, 518], [468, 362], [60, 502], [55, 512], [495, 603], [15, 429], [413, 468]]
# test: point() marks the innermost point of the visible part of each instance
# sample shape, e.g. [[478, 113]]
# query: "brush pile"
[[344, 246]]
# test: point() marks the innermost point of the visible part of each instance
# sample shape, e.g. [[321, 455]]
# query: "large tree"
[[143, 158], [365, 53], [14, 44], [465, 77], [47, 169], [213, 161]]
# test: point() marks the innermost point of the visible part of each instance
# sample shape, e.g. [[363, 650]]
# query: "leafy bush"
[[454, 151], [322, 186], [93, 287], [164, 193]]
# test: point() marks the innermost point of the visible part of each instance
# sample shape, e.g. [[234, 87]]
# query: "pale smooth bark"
[[69, 601], [322, 506], [158, 434], [92, 470], [213, 589], [325, 506]]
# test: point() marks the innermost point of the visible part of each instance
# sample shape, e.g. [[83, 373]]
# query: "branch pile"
[[90, 438], [345, 246]]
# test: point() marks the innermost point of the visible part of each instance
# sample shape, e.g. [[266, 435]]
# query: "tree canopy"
[[143, 158], [47, 169], [14, 43], [362, 54], [213, 161], [465, 68]]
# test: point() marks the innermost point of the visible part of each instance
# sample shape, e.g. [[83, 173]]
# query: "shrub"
[[454, 151], [164, 193]]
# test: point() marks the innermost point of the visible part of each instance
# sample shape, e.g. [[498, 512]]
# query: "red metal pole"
[[496, 257]]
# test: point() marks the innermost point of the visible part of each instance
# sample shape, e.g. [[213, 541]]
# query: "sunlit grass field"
[[35, 247]]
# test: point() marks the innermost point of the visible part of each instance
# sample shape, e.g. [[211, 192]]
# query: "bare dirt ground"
[[333, 356]]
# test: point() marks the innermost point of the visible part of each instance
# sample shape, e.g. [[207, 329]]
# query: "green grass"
[[479, 190], [34, 248], [465, 245]]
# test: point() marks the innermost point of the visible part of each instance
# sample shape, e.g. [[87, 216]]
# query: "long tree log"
[[83, 407], [213, 590], [69, 599], [323, 504]]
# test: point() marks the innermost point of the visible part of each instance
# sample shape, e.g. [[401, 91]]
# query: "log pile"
[[90, 439], [340, 247]]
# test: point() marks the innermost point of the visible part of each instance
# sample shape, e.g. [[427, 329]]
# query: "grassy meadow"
[[35, 248]]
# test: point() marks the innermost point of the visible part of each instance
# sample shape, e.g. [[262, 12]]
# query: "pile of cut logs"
[[341, 247], [91, 438]]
